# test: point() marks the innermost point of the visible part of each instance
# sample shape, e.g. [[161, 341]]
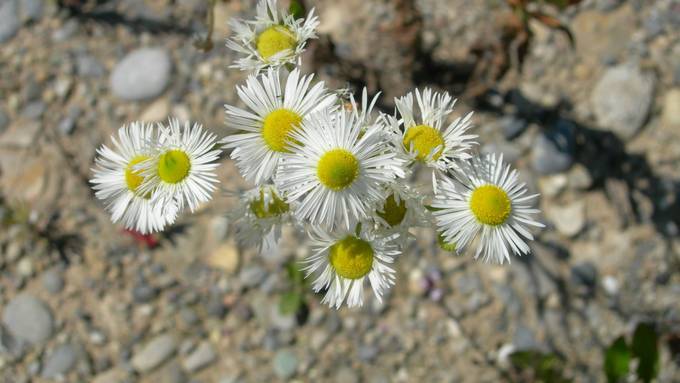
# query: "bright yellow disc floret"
[[424, 139], [351, 257], [132, 177], [337, 169], [490, 205], [277, 127], [275, 39], [275, 208], [393, 213], [173, 166]]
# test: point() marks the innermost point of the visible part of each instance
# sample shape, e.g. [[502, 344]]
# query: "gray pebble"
[[143, 293], [512, 126], [53, 281], [88, 66], [66, 31], [60, 361], [34, 110], [552, 150], [9, 20], [285, 364], [4, 121], [142, 74], [584, 275], [252, 276], [154, 353], [31, 10], [28, 319], [200, 358], [622, 99]]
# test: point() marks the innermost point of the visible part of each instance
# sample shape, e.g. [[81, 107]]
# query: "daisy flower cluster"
[[330, 167]]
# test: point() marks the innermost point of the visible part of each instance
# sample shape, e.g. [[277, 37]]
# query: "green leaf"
[[645, 347], [617, 360], [297, 9], [296, 276], [545, 367], [290, 303]]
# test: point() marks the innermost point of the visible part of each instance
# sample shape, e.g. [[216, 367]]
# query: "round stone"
[[142, 74], [28, 318]]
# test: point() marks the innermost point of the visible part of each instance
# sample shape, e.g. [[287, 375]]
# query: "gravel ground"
[[595, 129]]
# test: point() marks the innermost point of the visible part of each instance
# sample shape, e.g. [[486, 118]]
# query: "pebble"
[[4, 121], [512, 127], [143, 293], [154, 353], [671, 109], [201, 357], [31, 10], [285, 364], [34, 110], [25, 267], [552, 150], [622, 98], [568, 219], [88, 66], [252, 276], [66, 31], [553, 185], [610, 285], [52, 280], [28, 318], [114, 375], [579, 178], [68, 123], [9, 20], [584, 274], [225, 257], [60, 361], [141, 75], [524, 339], [509, 151], [346, 375]]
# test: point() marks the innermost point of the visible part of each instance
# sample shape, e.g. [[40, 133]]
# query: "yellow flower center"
[[351, 257], [424, 139], [490, 205], [277, 127], [275, 208], [173, 166], [393, 213], [446, 246], [337, 169], [132, 177], [275, 39]]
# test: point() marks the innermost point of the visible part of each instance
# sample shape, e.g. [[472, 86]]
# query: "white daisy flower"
[[264, 131], [334, 174], [426, 139], [117, 182], [182, 167], [341, 263], [491, 204], [273, 39], [260, 218], [364, 112], [400, 209]]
